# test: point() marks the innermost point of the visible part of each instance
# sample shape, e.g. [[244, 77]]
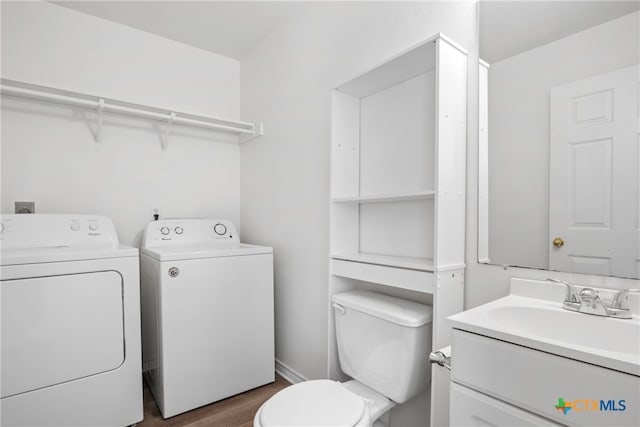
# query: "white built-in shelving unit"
[[398, 162]]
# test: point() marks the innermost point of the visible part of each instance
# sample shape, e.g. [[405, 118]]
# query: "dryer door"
[[60, 328]]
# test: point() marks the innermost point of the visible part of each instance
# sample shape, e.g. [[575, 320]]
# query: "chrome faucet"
[[588, 301]]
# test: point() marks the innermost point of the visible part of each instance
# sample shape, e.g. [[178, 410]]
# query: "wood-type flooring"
[[235, 411]]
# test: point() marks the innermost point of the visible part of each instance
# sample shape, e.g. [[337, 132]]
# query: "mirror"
[[559, 136]]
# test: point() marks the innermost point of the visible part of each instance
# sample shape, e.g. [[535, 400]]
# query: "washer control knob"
[[75, 226], [220, 229], [179, 230], [93, 226], [1, 227], [164, 231]]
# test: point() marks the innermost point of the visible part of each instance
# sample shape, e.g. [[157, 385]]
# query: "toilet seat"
[[313, 403]]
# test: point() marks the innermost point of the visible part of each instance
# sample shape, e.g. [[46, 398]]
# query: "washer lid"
[[323, 403], [209, 250]]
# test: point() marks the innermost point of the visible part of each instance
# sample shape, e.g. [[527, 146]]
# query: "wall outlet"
[[25, 207], [155, 212]]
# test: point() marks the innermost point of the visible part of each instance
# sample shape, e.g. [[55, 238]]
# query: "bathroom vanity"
[[524, 360]]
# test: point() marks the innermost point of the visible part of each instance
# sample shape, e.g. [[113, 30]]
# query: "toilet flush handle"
[[440, 358], [339, 308]]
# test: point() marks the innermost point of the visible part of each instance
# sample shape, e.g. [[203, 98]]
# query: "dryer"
[[207, 313], [71, 350]]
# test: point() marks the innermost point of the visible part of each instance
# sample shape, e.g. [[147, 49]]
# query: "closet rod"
[[82, 100]]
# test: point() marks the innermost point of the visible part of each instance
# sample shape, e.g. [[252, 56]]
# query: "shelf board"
[[422, 264], [399, 197], [244, 130]]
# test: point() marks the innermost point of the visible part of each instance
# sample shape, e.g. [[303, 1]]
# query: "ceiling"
[[232, 28], [511, 27], [229, 28]]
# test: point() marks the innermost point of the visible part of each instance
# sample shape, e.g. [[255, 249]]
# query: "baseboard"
[[288, 374]]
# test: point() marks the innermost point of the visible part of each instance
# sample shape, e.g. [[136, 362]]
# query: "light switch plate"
[[25, 207]]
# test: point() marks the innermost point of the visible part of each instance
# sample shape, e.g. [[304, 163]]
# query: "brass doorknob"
[[558, 242]]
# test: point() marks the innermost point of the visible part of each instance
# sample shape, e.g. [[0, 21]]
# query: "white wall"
[[519, 89], [48, 151], [285, 174], [286, 82]]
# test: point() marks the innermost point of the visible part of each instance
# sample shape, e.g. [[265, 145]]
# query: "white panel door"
[[60, 328], [593, 194]]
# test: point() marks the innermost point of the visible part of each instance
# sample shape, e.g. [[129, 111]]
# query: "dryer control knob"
[[75, 226], [220, 229], [164, 231], [179, 230], [93, 226]]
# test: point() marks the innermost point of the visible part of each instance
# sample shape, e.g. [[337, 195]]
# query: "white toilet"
[[383, 344]]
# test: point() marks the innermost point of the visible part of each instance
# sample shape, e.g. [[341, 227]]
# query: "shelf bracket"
[[258, 133], [167, 131], [99, 118]]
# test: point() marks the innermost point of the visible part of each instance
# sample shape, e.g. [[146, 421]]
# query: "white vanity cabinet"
[[398, 162], [520, 385], [524, 360]]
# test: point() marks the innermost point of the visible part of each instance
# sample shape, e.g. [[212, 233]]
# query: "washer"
[[71, 351], [207, 313]]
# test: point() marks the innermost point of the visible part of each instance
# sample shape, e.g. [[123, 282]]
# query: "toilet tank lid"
[[397, 310]]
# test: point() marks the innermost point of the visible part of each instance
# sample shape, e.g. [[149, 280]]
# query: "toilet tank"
[[384, 342]]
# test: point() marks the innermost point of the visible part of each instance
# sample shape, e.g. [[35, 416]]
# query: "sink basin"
[[544, 325], [563, 326]]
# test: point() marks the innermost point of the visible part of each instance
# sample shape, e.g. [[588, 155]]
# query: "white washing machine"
[[70, 301], [207, 313]]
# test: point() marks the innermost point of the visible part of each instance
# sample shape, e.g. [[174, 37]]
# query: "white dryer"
[[70, 323], [207, 313]]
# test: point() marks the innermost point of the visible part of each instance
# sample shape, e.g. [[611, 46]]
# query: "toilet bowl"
[[383, 343]]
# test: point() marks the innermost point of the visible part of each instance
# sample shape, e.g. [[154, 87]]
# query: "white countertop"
[[534, 318]]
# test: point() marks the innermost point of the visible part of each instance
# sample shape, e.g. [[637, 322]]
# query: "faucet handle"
[[572, 295], [619, 299]]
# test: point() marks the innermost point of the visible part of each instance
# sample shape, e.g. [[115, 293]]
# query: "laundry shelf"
[[418, 195], [401, 272], [245, 130], [423, 264]]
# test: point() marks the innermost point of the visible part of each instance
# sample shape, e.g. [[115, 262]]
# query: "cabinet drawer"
[[470, 408], [535, 381]]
